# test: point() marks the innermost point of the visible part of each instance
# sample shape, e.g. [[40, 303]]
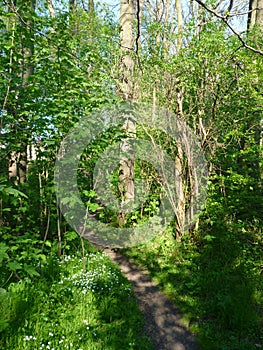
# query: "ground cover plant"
[[75, 303], [216, 283]]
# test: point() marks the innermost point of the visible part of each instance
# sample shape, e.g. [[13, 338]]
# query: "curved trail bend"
[[162, 320]]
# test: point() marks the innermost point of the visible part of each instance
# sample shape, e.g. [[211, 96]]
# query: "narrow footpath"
[[163, 322]]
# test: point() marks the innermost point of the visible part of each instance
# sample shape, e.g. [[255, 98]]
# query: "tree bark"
[[18, 162], [178, 6], [51, 9], [255, 16], [72, 5], [126, 91], [127, 17]]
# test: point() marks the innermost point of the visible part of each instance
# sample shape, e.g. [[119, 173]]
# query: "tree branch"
[[224, 18]]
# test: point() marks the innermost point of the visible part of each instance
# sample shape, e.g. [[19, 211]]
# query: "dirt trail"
[[162, 320]]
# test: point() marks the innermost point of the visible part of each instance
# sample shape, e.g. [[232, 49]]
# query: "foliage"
[[66, 80], [56, 69], [214, 274], [215, 283], [62, 310]]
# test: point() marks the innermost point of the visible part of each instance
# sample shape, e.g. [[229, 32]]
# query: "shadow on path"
[[162, 320]]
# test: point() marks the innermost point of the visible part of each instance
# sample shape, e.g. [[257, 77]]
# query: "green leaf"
[[2, 291], [90, 194], [209, 238], [71, 235], [48, 244], [42, 257], [7, 190], [3, 250], [31, 270], [14, 265], [3, 325], [93, 206]]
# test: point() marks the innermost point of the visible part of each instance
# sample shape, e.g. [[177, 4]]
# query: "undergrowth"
[[215, 282], [77, 303]]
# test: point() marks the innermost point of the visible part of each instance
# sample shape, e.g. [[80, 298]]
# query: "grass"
[[215, 284], [78, 304]]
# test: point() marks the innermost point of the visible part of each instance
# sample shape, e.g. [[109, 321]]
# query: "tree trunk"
[[127, 49], [255, 16], [51, 9], [180, 194], [178, 6], [126, 91], [72, 5], [91, 6], [18, 162]]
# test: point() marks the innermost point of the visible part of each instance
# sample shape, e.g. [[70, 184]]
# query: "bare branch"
[[224, 18], [233, 14]]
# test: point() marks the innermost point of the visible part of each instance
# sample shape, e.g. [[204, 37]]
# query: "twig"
[[7, 279], [225, 20]]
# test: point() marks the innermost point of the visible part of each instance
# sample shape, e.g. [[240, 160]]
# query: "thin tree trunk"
[[178, 6], [180, 194], [72, 5], [91, 6], [40, 198], [255, 18], [180, 184], [51, 9], [59, 231], [11, 24], [18, 162]]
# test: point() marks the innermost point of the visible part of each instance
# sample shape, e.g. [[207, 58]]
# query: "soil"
[[163, 322]]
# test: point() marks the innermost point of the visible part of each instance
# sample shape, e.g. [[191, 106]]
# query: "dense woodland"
[[62, 60]]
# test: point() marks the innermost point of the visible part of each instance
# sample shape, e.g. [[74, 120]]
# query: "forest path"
[[163, 322]]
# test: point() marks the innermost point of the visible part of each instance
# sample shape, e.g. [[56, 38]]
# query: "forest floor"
[[163, 322]]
